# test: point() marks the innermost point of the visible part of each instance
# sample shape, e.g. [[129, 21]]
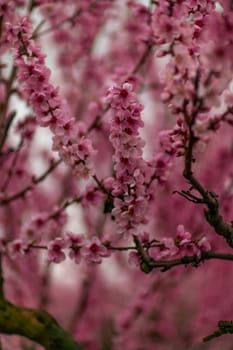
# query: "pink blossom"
[[120, 97], [93, 251], [204, 244], [16, 248], [75, 242], [134, 258], [182, 237], [91, 196], [55, 250], [166, 248], [84, 148], [190, 249]]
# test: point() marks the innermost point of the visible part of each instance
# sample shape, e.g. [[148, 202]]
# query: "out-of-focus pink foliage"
[[113, 220]]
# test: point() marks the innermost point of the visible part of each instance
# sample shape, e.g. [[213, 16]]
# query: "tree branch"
[[186, 260], [35, 181], [36, 325], [208, 198]]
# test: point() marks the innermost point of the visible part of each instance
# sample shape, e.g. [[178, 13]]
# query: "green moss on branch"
[[36, 325]]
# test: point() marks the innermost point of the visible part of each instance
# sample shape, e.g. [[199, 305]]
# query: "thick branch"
[[208, 198], [186, 260], [36, 325]]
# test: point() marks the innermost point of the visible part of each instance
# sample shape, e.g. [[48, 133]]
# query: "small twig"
[[37, 34], [1, 279], [12, 168], [36, 30], [110, 247], [143, 58], [65, 205], [100, 185], [224, 327], [7, 128], [82, 302], [153, 177], [35, 181], [189, 196]]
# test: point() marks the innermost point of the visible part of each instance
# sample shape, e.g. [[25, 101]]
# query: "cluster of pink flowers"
[[130, 203], [199, 51], [50, 109], [7, 15], [75, 245], [182, 245], [173, 141], [91, 250]]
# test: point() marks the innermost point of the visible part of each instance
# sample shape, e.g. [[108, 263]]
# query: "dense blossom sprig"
[[130, 202], [173, 141], [50, 110], [182, 245]]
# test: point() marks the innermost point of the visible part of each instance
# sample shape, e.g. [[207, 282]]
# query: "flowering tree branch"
[[208, 198], [103, 120]]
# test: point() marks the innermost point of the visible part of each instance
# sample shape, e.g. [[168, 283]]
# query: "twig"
[[224, 327], [35, 181], [7, 128], [189, 196], [37, 34], [12, 168], [1, 279]]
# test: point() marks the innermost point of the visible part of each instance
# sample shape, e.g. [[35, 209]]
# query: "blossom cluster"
[[129, 190], [180, 246], [76, 246], [92, 250], [198, 50], [173, 141], [50, 110]]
